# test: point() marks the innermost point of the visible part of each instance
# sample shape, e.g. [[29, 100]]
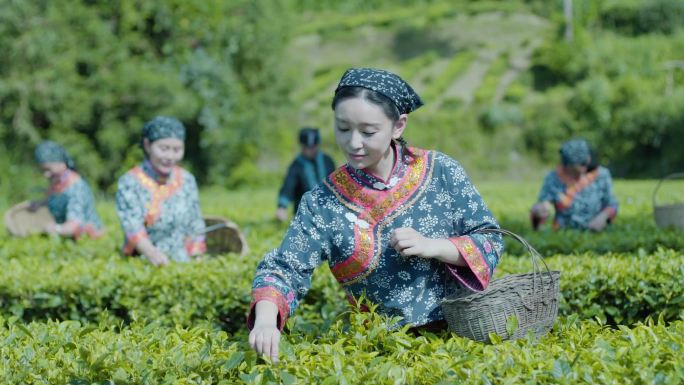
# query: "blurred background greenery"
[[502, 82]]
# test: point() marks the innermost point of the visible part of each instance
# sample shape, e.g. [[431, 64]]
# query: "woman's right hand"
[[281, 214], [158, 259], [265, 336], [541, 209]]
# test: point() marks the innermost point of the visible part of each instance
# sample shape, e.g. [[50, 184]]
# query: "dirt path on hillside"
[[464, 86], [489, 35], [517, 34], [519, 63]]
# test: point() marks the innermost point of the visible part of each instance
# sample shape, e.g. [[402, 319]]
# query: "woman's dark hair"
[[388, 107], [386, 104], [593, 160]]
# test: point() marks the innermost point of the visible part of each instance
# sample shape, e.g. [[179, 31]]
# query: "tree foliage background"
[[89, 73]]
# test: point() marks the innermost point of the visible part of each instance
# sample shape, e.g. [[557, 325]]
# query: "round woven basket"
[[21, 220], [511, 307], [225, 239], [670, 215]]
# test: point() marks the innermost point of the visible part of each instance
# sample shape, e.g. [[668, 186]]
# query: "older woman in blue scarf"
[[69, 198], [158, 202], [581, 193]]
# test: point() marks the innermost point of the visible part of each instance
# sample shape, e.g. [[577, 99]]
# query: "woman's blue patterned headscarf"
[[51, 152], [575, 153], [385, 83], [163, 127]]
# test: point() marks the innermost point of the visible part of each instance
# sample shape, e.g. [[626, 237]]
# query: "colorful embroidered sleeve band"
[[132, 240], [480, 251], [284, 275], [481, 259], [611, 212], [195, 246], [85, 228], [269, 294]]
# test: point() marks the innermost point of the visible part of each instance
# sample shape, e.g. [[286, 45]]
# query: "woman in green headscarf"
[[158, 202], [69, 199]]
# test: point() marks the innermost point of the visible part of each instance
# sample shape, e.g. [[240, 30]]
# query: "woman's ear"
[[146, 145], [399, 126]]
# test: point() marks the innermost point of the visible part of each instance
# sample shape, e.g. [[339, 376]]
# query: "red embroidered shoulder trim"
[[68, 179], [573, 188], [374, 208], [159, 193]]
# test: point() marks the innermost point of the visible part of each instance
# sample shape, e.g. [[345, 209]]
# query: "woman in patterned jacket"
[[580, 191], [397, 224], [69, 199], [157, 202]]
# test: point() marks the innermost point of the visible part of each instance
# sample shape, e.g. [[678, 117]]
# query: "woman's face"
[[576, 171], [364, 133], [164, 154], [52, 171], [310, 151]]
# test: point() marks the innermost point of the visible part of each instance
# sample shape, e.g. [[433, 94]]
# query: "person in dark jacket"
[[306, 171]]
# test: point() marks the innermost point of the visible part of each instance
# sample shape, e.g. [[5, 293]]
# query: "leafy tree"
[[89, 74]]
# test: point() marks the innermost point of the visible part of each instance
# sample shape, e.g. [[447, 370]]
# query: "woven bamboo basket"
[[529, 300], [21, 220], [226, 238], [670, 215]]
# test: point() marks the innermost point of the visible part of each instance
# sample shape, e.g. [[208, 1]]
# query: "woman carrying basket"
[[395, 222], [157, 202], [69, 198], [579, 190]]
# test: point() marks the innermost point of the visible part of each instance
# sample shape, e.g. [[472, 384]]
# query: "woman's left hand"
[[599, 222], [409, 242]]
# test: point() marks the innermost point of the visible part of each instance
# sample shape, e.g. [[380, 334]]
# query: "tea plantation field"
[[79, 313]]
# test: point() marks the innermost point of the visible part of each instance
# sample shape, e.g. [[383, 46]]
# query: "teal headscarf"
[[51, 152], [575, 153], [163, 127]]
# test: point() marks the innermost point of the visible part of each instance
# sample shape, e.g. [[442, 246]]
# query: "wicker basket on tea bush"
[[510, 306], [22, 219], [224, 236], [668, 215]]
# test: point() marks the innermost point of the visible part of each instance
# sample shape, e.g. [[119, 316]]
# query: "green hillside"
[[459, 58], [503, 87]]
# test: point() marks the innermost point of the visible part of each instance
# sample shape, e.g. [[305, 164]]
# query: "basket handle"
[[533, 252], [211, 228], [670, 176]]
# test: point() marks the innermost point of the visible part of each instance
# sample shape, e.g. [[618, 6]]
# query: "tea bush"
[[78, 312], [617, 288], [357, 350]]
